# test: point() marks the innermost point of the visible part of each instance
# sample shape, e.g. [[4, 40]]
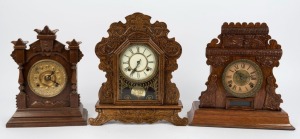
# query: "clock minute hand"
[[137, 65], [56, 83], [52, 73]]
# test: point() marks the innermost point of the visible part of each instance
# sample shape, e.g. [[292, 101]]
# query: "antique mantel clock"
[[241, 85], [138, 59], [48, 83]]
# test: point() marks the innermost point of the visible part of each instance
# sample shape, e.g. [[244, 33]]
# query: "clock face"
[[47, 78], [138, 80], [138, 63], [242, 78]]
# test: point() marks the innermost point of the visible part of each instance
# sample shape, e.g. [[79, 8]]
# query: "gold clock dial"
[[47, 78], [138, 63], [242, 78]]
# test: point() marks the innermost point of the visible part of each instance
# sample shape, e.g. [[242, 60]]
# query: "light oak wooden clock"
[[48, 83], [241, 85], [138, 59]]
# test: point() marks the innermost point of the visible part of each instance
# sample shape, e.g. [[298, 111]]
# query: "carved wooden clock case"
[[241, 85], [48, 83], [138, 59]]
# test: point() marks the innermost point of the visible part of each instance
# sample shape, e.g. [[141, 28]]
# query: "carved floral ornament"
[[137, 26]]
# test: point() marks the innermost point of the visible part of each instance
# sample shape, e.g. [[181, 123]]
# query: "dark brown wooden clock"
[[241, 85], [138, 59], [48, 83]]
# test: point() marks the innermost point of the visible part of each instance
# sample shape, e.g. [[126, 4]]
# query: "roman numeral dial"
[[138, 63], [242, 78]]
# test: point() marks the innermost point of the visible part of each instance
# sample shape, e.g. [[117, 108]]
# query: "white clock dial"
[[138, 63]]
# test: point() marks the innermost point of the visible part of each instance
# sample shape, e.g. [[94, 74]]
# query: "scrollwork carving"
[[273, 45], [48, 103], [242, 35], [268, 61], [208, 97], [135, 36], [138, 22], [170, 46], [171, 91], [137, 26], [138, 116], [273, 100], [106, 92], [217, 60], [214, 43]]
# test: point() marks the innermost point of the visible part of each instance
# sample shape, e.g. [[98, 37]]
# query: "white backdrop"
[[193, 23]]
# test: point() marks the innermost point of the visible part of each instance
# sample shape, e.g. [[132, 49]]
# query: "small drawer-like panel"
[[240, 103]]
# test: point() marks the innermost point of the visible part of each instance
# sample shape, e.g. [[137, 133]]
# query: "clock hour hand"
[[52, 72], [241, 76], [48, 78], [137, 65]]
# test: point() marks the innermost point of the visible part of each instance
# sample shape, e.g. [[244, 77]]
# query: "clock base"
[[45, 117], [138, 114], [263, 119]]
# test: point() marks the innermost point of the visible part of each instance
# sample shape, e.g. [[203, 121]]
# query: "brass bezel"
[[250, 93], [54, 93]]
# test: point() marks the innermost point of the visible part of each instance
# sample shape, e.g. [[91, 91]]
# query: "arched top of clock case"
[[137, 27], [47, 46]]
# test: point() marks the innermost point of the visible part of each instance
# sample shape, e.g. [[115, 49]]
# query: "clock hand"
[[48, 78], [239, 76], [137, 65], [56, 84], [52, 72]]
